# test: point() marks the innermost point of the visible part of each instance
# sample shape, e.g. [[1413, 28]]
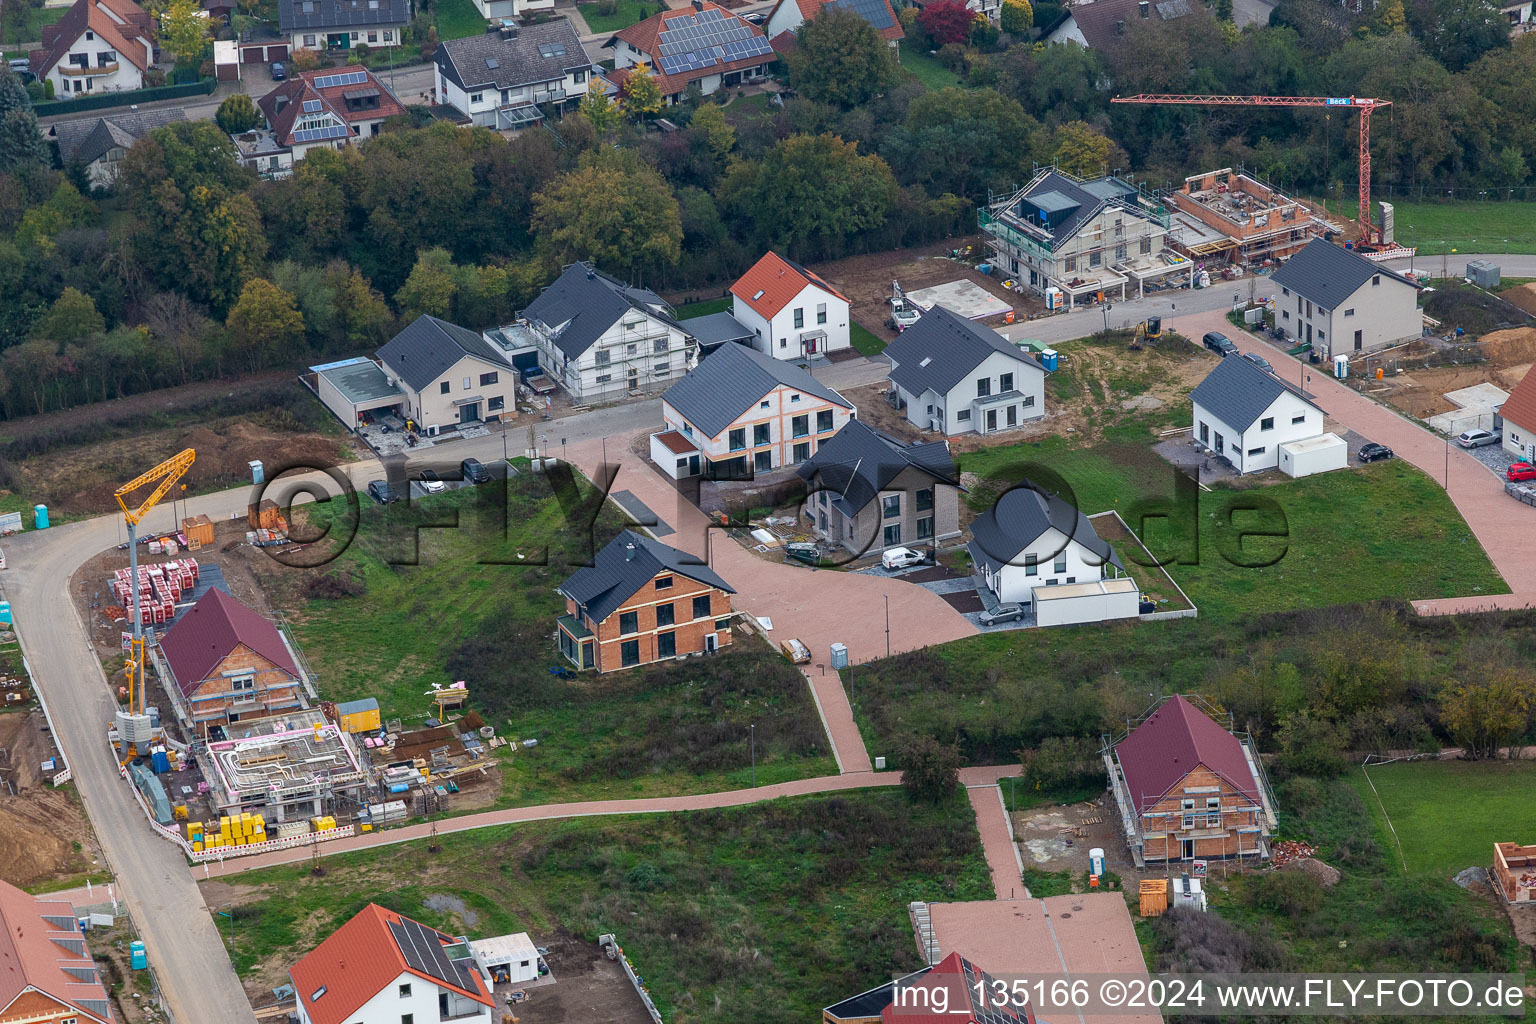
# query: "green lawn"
[[626, 13], [1448, 814], [1468, 227], [759, 913], [866, 341], [926, 66], [708, 306], [456, 19], [29, 29]]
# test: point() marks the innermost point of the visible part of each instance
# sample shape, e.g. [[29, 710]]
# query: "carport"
[[357, 391], [1087, 602]]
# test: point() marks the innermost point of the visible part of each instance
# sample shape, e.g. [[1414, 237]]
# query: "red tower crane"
[[1368, 230]]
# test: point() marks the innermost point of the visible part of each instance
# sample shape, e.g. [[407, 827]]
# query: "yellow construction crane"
[[164, 476]]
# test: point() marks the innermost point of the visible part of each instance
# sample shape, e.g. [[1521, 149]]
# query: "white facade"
[[1256, 446], [418, 999], [679, 465], [625, 56], [1313, 455], [785, 17], [1518, 441], [1051, 560], [784, 428], [639, 352], [321, 38], [472, 390], [1087, 602], [964, 409], [1382, 311], [481, 104], [494, 9], [813, 323], [94, 65]]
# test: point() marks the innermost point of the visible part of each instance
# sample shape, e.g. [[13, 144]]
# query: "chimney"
[[592, 276], [629, 549], [698, 5], [1144, 7], [1119, 28]]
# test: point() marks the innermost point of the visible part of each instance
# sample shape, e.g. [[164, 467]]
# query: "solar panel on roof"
[[330, 131], [349, 78], [312, 106], [423, 951], [876, 12]]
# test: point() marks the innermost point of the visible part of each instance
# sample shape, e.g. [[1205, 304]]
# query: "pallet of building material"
[[1521, 492], [1091, 821]]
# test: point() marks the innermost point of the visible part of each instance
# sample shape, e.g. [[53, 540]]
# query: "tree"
[[1487, 715], [1018, 17], [1080, 149], [1458, 32], [1061, 763], [840, 59], [431, 287], [1391, 18], [362, 315], [178, 325], [73, 316], [930, 769], [13, 12], [264, 323], [237, 114], [612, 209], [21, 144], [32, 367], [640, 96], [600, 111], [184, 31], [946, 21], [709, 121], [963, 141]]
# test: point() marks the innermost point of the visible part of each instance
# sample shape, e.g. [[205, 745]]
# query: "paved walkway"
[[1003, 859]]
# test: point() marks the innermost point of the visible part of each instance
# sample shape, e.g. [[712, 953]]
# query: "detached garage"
[[357, 391], [1087, 602], [1313, 455]]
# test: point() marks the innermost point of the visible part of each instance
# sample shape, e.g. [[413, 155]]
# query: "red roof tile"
[[355, 963], [1176, 739], [948, 994], [282, 116], [773, 282], [28, 956], [810, 8], [676, 443], [127, 39], [1520, 407], [213, 627]]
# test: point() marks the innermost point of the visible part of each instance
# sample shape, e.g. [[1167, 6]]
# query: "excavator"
[[1150, 329], [134, 722]]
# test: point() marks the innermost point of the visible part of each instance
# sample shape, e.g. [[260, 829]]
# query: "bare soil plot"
[[43, 832]]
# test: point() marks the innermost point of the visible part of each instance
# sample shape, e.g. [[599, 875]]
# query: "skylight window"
[[925, 362], [757, 295], [317, 993]]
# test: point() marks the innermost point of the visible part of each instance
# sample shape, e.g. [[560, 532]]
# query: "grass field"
[[1463, 225], [806, 898], [693, 309], [627, 13], [1448, 814], [926, 66], [456, 19], [866, 341], [29, 28]]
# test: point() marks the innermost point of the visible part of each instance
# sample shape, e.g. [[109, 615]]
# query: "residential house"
[[99, 144], [383, 968], [870, 491], [641, 601], [504, 77], [701, 45], [47, 975], [1096, 24], [451, 377], [1518, 13], [954, 377], [1188, 788], [1342, 304], [791, 312], [952, 991], [600, 337], [1518, 416], [741, 412], [342, 24], [325, 109], [788, 15], [226, 664], [1233, 216], [1243, 415], [97, 46], [511, 10], [1072, 240]]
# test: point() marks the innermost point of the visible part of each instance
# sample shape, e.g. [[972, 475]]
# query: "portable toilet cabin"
[[138, 959], [1096, 861], [839, 656], [1049, 359], [1341, 366], [40, 516]]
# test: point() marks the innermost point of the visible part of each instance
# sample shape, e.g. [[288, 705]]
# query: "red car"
[[1521, 471]]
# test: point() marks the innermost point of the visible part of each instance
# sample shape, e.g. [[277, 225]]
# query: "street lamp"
[[752, 733], [1107, 307], [887, 625]]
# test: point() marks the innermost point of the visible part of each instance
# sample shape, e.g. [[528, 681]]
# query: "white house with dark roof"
[[1098, 24], [99, 143], [342, 24], [451, 377], [747, 413], [600, 337], [791, 312], [504, 76], [788, 15], [1243, 415], [955, 377], [1342, 303]]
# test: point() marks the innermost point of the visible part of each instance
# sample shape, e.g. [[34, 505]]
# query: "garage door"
[[252, 54], [277, 51]]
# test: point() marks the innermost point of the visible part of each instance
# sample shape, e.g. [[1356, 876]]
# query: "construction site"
[[1233, 216]]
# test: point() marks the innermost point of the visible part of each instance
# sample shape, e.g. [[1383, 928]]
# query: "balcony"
[[76, 71]]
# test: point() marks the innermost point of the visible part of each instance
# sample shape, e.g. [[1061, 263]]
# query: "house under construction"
[[1232, 216], [296, 765]]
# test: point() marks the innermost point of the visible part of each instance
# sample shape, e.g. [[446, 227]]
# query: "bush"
[[154, 77], [607, 8], [304, 60], [952, 56], [237, 114], [35, 91], [1295, 894], [361, 51], [930, 769], [1062, 762]]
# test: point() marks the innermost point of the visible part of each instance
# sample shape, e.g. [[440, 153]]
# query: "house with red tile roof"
[[1519, 416], [701, 45], [98, 46], [383, 968], [222, 662], [324, 109], [788, 15], [791, 312], [1188, 788], [952, 991], [47, 975]]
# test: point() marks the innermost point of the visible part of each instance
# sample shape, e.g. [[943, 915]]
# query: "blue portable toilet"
[[40, 516], [5, 613], [1048, 359], [137, 958], [258, 472], [162, 762]]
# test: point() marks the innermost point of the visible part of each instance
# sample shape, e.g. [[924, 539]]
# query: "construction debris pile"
[[1288, 850], [159, 586]]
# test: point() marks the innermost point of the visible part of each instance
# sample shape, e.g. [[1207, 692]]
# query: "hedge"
[[104, 100]]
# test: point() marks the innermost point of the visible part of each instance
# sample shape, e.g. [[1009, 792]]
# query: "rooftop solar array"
[[876, 12], [423, 951], [312, 106], [695, 41], [349, 78], [330, 131]]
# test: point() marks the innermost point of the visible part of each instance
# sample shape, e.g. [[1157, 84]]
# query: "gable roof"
[[617, 573], [858, 462], [370, 951], [1097, 21], [428, 348], [1328, 274], [701, 39], [941, 350], [326, 89], [1237, 392], [128, 38], [320, 15], [1068, 202], [733, 379], [1172, 742], [878, 13], [89, 139], [1020, 516], [537, 53], [1520, 407], [583, 302], [40, 946], [773, 282], [965, 1000], [210, 629]]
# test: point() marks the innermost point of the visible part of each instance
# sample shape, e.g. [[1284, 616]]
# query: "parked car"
[[1373, 452], [1219, 343], [279, 73], [1259, 361], [381, 492], [1477, 438], [431, 482], [1009, 612], [1520, 471], [900, 558], [755, 18], [474, 471], [20, 64]]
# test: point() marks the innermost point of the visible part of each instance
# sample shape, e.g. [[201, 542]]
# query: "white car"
[[900, 558], [431, 482], [1477, 438]]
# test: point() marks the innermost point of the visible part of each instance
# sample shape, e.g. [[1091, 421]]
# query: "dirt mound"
[[38, 824], [1510, 347], [1323, 874], [1523, 295]]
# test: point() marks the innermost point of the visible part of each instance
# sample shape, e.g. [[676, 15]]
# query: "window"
[[1321, 335], [373, 37], [243, 684], [90, 36], [737, 439], [1267, 423], [1146, 246], [1013, 415], [1060, 565], [629, 653], [799, 317], [603, 357], [660, 345], [783, 343], [665, 615], [663, 582], [821, 312], [1029, 401], [761, 434], [1287, 291], [925, 528], [924, 499], [890, 506], [475, 97], [604, 378], [629, 622], [579, 77], [802, 451], [666, 645], [405, 991], [1309, 309], [893, 534], [1005, 383], [1095, 258], [701, 607], [444, 388], [1376, 280], [1120, 251], [794, 399], [763, 404], [824, 421], [722, 624], [1298, 418], [487, 379], [466, 383], [1285, 314], [407, 1018], [800, 425], [963, 415], [1255, 451], [1031, 565], [309, 40], [983, 387], [1349, 312], [1071, 264], [389, 35], [317, 993], [762, 461]]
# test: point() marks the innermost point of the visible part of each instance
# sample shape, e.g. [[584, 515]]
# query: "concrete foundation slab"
[[967, 298]]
